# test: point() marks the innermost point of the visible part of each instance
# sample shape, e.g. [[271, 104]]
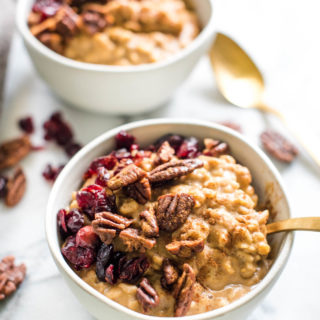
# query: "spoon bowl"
[[239, 79], [241, 83]]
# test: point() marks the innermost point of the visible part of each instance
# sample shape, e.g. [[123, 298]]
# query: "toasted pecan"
[[134, 241], [164, 153], [173, 210], [174, 169], [147, 295], [185, 248], [107, 224], [149, 225], [128, 175], [11, 276], [13, 151], [16, 188], [170, 274], [184, 291], [139, 191]]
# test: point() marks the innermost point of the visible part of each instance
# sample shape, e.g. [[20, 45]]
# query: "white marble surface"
[[283, 38]]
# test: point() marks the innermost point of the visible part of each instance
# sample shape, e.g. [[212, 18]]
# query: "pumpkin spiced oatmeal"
[[114, 32], [170, 230]]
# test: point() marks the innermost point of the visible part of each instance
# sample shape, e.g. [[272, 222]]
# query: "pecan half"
[[10, 276], [173, 210], [67, 22], [278, 146], [53, 41], [134, 242], [215, 148], [184, 291], [173, 169], [164, 153], [16, 188], [13, 151], [149, 225], [107, 224], [147, 295], [185, 248], [128, 175], [139, 191], [93, 21], [170, 274]]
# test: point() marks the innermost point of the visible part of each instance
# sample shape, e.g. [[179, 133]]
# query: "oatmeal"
[[170, 230], [114, 32]]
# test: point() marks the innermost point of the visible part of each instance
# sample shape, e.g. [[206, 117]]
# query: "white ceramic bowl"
[[116, 89], [265, 178]]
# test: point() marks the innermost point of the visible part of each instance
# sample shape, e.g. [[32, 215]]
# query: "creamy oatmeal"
[[114, 32], [173, 230]]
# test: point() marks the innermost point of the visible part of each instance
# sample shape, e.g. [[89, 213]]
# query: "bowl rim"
[[24, 31], [51, 236]]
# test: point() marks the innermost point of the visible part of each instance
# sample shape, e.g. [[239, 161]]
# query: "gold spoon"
[[306, 224], [241, 83]]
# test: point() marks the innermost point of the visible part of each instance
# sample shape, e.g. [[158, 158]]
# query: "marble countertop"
[[282, 37]]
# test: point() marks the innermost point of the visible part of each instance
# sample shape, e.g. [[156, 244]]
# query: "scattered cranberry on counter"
[[26, 125], [51, 173]]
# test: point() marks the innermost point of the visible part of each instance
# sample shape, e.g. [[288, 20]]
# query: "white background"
[[283, 38]]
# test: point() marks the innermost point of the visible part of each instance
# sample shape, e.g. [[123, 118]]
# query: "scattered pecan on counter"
[[16, 188], [278, 146], [11, 276], [13, 151]]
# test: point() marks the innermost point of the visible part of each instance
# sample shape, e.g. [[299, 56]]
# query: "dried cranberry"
[[61, 218], [132, 270], [93, 199], [58, 130], [26, 124], [104, 257], [110, 274], [69, 223], [124, 140], [3, 186], [112, 271], [189, 148], [107, 162], [79, 257], [72, 148], [174, 140], [47, 8], [103, 176], [51, 173], [87, 238], [75, 221]]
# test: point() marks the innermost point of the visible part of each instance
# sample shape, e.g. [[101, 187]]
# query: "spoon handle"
[[307, 224], [293, 131]]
